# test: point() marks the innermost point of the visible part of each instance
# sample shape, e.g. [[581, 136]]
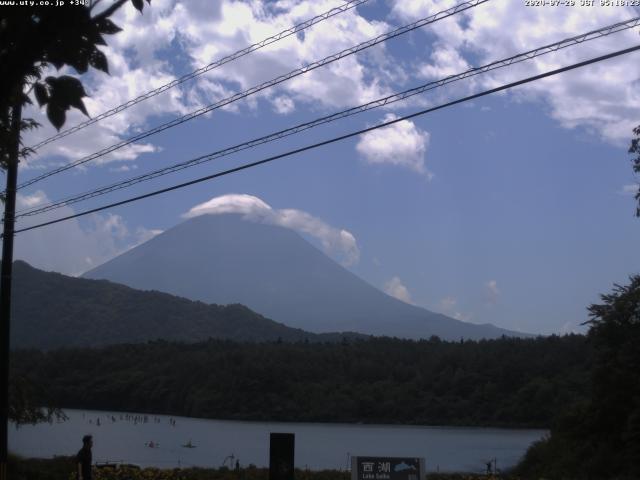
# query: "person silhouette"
[[84, 458]]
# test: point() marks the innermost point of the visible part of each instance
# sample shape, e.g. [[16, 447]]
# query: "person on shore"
[[83, 458]]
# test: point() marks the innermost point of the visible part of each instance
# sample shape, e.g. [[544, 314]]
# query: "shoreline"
[[502, 427], [62, 468]]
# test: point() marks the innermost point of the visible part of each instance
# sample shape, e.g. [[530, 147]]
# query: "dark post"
[[5, 283], [281, 455]]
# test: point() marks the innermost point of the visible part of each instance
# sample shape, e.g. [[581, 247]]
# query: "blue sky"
[[516, 209]]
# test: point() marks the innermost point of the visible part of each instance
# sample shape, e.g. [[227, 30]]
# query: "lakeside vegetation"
[[507, 382], [599, 437], [587, 388], [61, 468]]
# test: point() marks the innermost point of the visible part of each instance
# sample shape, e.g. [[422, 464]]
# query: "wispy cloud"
[[492, 292], [333, 240], [73, 247], [401, 144], [630, 190], [591, 98], [448, 303], [449, 306], [397, 289]]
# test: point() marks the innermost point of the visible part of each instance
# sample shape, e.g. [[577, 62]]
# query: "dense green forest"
[[505, 382], [98, 312]]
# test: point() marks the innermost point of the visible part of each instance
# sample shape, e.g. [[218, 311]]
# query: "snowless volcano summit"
[[228, 259]]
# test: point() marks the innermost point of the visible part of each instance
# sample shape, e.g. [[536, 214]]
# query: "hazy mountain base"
[[51, 310], [506, 382]]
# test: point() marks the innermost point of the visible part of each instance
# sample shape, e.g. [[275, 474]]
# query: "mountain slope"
[[225, 259], [51, 310]]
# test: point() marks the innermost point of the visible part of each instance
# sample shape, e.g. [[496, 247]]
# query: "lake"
[[317, 445]]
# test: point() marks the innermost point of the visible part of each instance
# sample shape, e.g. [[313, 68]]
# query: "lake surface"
[[317, 446]]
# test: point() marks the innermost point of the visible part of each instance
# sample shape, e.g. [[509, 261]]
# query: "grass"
[[63, 468]]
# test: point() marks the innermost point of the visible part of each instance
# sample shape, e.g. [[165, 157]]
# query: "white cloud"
[[283, 105], [71, 247], [445, 61], [592, 97], [448, 303], [402, 144], [333, 240], [396, 289], [463, 317], [240, 24], [448, 306], [30, 201], [134, 69], [201, 31], [123, 168], [630, 190], [143, 235], [491, 291]]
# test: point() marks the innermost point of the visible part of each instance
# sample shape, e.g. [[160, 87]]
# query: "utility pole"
[[5, 281]]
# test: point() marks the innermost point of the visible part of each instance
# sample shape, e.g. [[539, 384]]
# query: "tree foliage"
[[33, 38], [600, 437], [634, 148], [506, 382]]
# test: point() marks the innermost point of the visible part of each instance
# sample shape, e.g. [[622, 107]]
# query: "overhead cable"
[[218, 63], [337, 139], [282, 78], [384, 101]]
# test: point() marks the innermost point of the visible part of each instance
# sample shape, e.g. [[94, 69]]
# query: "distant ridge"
[[226, 259], [51, 310]]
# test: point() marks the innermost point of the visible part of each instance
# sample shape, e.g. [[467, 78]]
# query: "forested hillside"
[[505, 382], [51, 310]]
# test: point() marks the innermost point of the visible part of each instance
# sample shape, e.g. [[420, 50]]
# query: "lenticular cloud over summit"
[[333, 240]]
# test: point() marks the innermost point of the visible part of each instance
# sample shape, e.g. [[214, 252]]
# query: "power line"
[[218, 63], [238, 96], [594, 34], [340, 138]]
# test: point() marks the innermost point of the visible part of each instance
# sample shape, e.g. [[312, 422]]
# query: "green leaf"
[[99, 60], [66, 92], [107, 27], [79, 104], [68, 87], [56, 115], [99, 40], [28, 124], [80, 60], [41, 92], [138, 4]]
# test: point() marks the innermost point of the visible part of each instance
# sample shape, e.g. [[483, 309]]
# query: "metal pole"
[[5, 283]]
